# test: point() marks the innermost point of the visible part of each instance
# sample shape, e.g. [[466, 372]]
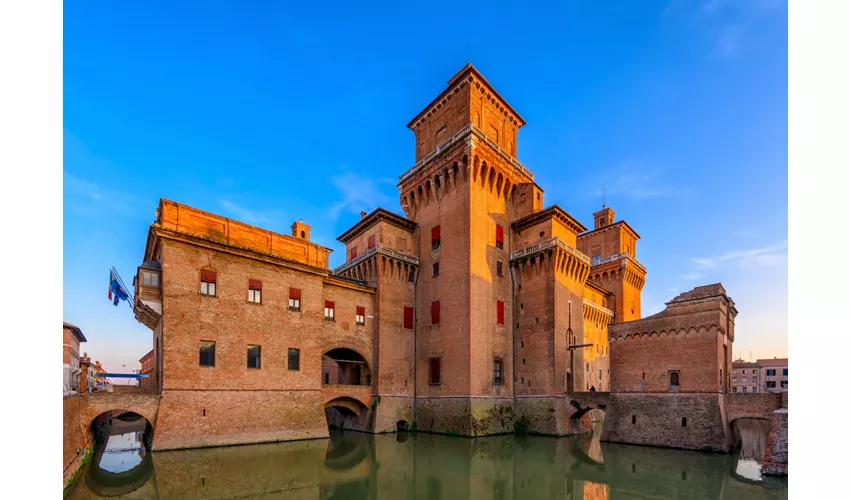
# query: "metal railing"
[[617, 256], [469, 128], [543, 245], [378, 248]]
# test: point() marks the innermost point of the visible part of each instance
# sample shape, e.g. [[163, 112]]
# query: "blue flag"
[[116, 291]]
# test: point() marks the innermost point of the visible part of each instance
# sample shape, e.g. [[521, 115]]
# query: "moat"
[[353, 465]]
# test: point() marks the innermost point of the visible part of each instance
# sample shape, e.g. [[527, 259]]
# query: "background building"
[[774, 373], [72, 336], [147, 368], [746, 377]]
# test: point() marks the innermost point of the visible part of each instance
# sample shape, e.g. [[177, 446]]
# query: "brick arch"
[[326, 348], [96, 404], [349, 402]]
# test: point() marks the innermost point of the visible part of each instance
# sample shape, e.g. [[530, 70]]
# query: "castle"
[[478, 309]]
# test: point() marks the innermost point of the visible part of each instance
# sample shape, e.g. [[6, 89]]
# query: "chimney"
[[363, 215]]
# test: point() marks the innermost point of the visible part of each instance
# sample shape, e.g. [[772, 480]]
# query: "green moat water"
[[352, 465]]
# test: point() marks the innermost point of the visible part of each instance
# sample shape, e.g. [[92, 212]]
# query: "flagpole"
[[132, 301]]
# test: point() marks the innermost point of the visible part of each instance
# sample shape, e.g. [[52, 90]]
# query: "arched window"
[[674, 379]]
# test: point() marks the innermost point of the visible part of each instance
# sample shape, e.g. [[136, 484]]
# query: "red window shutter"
[[361, 311], [435, 370], [294, 293], [255, 285], [408, 318], [435, 233], [208, 276], [435, 312], [371, 241], [500, 312], [329, 304], [354, 253], [500, 234]]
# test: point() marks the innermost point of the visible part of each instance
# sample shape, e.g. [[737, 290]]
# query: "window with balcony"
[[435, 238], [255, 291], [329, 310], [360, 315], [294, 299], [208, 281], [253, 356], [207, 353]]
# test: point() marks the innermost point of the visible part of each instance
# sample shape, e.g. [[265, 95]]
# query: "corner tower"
[[463, 192], [614, 265]]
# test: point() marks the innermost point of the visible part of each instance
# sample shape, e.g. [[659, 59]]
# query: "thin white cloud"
[[692, 276], [710, 6], [359, 194], [729, 41], [774, 255], [249, 216], [635, 180], [91, 197]]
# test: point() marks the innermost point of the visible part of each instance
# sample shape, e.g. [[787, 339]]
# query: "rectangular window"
[[435, 312], [408, 318], [435, 237], [745, 380], [734, 389], [771, 384], [497, 371], [207, 353], [361, 315], [744, 390], [329, 310], [734, 380], [784, 370], [745, 372], [771, 373], [294, 361], [371, 241], [755, 390], [208, 283], [434, 371], [353, 253], [150, 279], [435, 268], [295, 299], [500, 312], [500, 237], [735, 371], [498, 269], [255, 291], [755, 380], [783, 384], [253, 356]]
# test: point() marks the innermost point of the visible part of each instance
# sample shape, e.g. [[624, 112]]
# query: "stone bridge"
[[95, 404], [759, 406], [583, 402]]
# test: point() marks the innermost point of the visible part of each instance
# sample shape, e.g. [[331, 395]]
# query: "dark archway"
[[122, 460], [346, 414], [343, 366]]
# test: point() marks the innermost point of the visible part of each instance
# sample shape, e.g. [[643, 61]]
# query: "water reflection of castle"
[[355, 465]]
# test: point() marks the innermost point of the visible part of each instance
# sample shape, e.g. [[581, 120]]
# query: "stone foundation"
[[550, 415], [390, 410], [195, 419], [466, 416], [776, 454], [658, 420]]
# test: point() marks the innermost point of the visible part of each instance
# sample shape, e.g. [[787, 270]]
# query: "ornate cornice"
[[555, 212], [377, 215], [706, 328], [619, 224]]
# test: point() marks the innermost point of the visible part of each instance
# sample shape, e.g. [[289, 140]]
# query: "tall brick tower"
[[614, 265], [460, 192]]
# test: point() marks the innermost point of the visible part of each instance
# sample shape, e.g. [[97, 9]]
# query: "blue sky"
[[268, 112]]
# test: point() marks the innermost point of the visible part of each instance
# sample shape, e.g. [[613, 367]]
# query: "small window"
[[253, 356], [207, 353], [435, 312], [410, 277], [771, 384], [255, 291], [435, 268], [542, 234], [361, 315], [150, 279], [587, 367], [497, 371], [498, 269], [500, 312], [303, 234], [755, 390], [294, 359], [634, 419], [734, 389], [744, 390], [371, 242], [353, 253], [734, 371], [208, 280], [674, 379], [329, 310], [408, 318], [434, 371], [435, 238], [684, 421], [783, 384], [784, 370], [500, 237], [294, 299], [600, 374], [734, 380], [771, 373]]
